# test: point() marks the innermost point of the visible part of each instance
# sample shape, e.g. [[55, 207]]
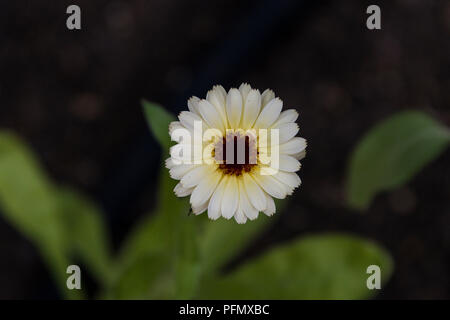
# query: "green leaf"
[[158, 120], [223, 240], [187, 258], [166, 238], [160, 237], [61, 223], [89, 239], [392, 153], [147, 277], [28, 202], [328, 266], [26, 195]]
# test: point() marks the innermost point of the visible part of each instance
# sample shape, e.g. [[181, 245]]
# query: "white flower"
[[238, 184]]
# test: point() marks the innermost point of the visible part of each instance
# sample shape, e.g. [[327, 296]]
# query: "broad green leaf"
[[166, 239], [147, 277], [28, 202], [392, 153], [158, 120], [224, 240], [151, 234], [328, 266], [161, 238], [89, 239], [26, 195], [187, 262]]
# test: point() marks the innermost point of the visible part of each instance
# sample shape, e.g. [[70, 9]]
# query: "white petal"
[[187, 119], [218, 100], [267, 96], [180, 134], [244, 89], [220, 90], [186, 153], [291, 179], [269, 114], [192, 104], [210, 114], [169, 163], [178, 171], [215, 203], [293, 146], [200, 209], [240, 216], [271, 209], [271, 185], [194, 176], [234, 107], [286, 116], [285, 181], [251, 109], [204, 189], [254, 193], [244, 204], [173, 126], [287, 131], [230, 198], [288, 163], [300, 155], [181, 191]]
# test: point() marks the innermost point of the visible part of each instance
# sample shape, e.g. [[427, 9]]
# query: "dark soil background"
[[75, 97]]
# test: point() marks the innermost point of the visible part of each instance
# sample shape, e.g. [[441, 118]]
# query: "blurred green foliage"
[[169, 254], [63, 225], [392, 153], [325, 266]]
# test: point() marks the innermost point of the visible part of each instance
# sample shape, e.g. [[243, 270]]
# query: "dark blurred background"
[[74, 96]]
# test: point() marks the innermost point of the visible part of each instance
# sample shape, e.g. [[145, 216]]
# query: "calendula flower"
[[236, 151]]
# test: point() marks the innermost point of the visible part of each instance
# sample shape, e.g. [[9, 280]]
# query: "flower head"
[[236, 151]]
